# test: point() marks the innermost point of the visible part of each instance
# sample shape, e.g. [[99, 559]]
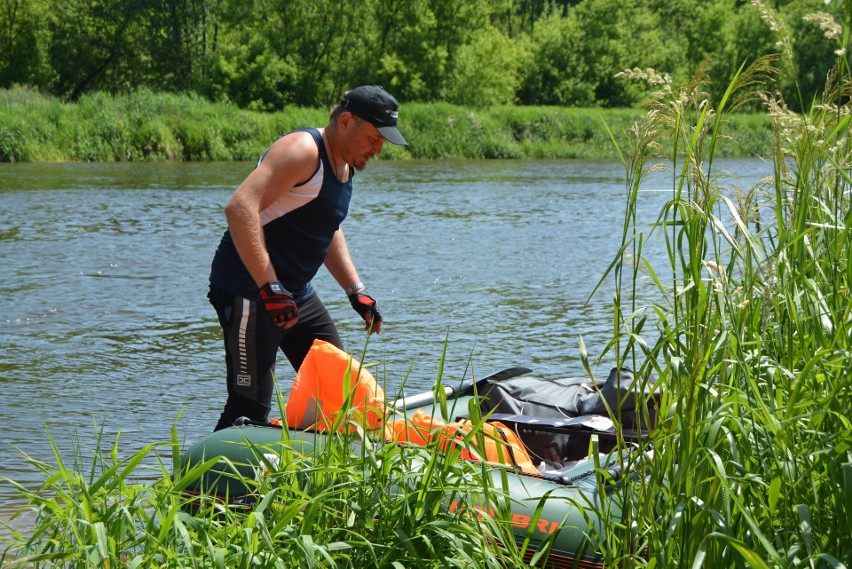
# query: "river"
[[105, 325]]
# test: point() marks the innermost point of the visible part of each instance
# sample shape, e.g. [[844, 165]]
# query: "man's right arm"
[[290, 161]]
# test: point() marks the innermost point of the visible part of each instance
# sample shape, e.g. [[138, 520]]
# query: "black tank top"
[[298, 229]]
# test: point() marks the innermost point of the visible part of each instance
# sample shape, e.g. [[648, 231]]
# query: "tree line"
[[269, 54]]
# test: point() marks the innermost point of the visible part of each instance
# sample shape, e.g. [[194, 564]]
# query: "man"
[[283, 223]]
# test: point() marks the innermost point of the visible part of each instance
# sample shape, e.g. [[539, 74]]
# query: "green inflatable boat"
[[557, 422]]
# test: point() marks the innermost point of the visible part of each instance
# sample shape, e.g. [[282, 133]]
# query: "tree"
[[812, 50], [266, 54], [277, 52], [576, 56], [183, 39], [24, 43], [419, 42], [92, 46], [699, 32], [486, 71], [619, 35], [558, 72]]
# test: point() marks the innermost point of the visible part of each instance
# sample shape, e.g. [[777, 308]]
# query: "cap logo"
[[392, 113]]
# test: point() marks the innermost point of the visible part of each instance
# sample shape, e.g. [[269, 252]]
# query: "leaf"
[[774, 492]]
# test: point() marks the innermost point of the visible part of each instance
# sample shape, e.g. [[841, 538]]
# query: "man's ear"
[[345, 120]]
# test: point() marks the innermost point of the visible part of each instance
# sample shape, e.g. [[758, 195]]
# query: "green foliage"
[[691, 32], [813, 49], [558, 71], [446, 131], [745, 321], [28, 125], [159, 126], [24, 44], [252, 76], [269, 54], [92, 46], [609, 42], [344, 505], [547, 132], [487, 71], [140, 126]]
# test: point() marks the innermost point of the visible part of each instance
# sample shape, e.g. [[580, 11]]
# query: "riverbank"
[[148, 126]]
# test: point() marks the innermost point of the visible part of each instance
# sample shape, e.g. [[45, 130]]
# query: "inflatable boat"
[[545, 428]]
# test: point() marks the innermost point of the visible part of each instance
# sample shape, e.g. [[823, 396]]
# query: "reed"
[[748, 334]]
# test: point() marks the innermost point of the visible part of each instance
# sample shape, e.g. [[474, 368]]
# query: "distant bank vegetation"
[[148, 126], [99, 80]]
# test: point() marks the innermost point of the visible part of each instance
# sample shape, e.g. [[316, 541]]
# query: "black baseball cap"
[[376, 106]]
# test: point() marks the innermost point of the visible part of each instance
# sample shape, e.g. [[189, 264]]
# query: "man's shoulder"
[[295, 146], [291, 160], [305, 140]]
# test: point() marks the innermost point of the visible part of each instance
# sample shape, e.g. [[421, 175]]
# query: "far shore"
[[147, 126]]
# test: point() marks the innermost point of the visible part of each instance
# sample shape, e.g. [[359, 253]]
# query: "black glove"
[[365, 305], [279, 304]]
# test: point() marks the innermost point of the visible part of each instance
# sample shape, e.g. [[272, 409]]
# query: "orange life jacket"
[[496, 444], [327, 379], [330, 380]]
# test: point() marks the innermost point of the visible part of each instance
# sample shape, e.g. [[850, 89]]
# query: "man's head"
[[376, 106]]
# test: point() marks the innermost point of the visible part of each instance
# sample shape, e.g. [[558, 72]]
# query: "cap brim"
[[392, 134]]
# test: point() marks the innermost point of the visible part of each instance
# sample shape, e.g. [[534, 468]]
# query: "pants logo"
[[244, 380]]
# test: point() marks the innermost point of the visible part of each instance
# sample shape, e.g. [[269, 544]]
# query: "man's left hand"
[[365, 305]]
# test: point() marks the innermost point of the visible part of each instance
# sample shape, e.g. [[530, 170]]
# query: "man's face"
[[363, 143]]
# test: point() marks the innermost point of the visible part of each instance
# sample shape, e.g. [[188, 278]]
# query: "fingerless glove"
[[365, 305], [279, 304]]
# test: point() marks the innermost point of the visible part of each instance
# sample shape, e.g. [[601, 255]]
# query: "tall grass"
[[749, 334], [162, 126], [344, 505]]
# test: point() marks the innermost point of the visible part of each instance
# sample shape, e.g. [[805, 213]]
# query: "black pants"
[[252, 342]]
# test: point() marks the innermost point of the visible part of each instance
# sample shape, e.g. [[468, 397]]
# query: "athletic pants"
[[252, 342]]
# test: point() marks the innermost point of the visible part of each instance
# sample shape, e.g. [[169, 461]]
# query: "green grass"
[[383, 507], [344, 505], [750, 337], [160, 126]]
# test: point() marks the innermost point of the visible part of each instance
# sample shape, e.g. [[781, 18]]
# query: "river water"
[[105, 326]]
